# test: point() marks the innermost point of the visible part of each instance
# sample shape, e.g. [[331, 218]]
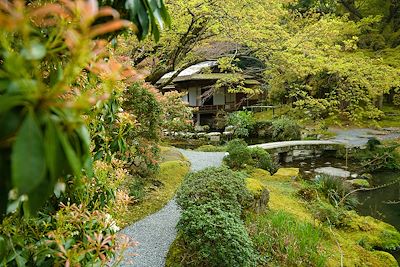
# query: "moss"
[[255, 186], [354, 244], [283, 174], [371, 233], [359, 183], [386, 258], [175, 254], [286, 174], [171, 154], [170, 176]]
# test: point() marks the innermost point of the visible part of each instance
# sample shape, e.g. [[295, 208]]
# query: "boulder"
[[260, 194], [332, 171]]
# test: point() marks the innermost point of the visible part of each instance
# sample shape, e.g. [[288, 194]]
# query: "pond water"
[[375, 203]]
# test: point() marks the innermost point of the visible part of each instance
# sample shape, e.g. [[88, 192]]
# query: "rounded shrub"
[[239, 154], [222, 184], [262, 159], [215, 237]]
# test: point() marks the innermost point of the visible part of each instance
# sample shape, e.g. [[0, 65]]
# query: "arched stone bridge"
[[288, 151]]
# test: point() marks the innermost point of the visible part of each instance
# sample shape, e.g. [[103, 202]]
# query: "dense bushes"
[[242, 122], [285, 129], [240, 156], [73, 237], [210, 226], [214, 184], [274, 130]]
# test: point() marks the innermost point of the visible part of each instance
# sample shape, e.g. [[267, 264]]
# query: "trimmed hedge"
[[210, 226], [240, 156]]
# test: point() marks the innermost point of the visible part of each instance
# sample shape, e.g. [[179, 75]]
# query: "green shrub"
[[286, 241], [261, 159], [239, 154], [216, 237], [242, 121], [285, 129], [262, 129], [214, 184], [210, 226]]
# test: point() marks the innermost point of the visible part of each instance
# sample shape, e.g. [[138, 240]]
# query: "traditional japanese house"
[[198, 82]]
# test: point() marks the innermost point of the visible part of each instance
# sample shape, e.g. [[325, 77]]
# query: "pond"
[[376, 203]]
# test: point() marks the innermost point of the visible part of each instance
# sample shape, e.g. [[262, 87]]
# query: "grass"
[[172, 171], [286, 241]]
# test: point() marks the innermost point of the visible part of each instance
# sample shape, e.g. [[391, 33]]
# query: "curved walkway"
[[156, 232]]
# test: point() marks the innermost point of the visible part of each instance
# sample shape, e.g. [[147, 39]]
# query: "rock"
[[332, 171], [214, 136], [260, 194], [230, 128], [354, 175], [359, 183], [327, 163], [307, 172], [303, 163], [203, 128]]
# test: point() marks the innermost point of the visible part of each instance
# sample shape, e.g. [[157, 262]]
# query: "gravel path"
[[156, 232], [359, 137]]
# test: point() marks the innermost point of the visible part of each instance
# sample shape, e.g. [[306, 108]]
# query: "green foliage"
[[285, 129], [73, 236], [242, 121], [211, 148], [215, 236], [128, 127], [210, 225], [43, 137], [261, 159], [286, 241], [334, 189], [150, 16], [214, 184], [379, 156], [178, 116], [262, 129], [239, 154]]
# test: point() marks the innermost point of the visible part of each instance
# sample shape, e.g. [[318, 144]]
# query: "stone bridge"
[[288, 151]]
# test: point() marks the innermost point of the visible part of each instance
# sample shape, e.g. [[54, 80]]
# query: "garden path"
[[156, 232]]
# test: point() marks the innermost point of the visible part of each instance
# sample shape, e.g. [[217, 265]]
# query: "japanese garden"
[[176, 133]]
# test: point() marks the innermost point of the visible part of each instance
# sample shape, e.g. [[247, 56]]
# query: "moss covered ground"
[[173, 168], [359, 242]]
